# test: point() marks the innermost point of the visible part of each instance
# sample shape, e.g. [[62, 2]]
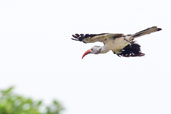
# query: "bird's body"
[[117, 44], [120, 44]]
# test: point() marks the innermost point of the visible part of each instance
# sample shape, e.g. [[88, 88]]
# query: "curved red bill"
[[87, 52]]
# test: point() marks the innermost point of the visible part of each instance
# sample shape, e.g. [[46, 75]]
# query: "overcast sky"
[[39, 58]]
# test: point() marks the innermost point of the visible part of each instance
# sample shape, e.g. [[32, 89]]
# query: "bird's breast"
[[117, 44]]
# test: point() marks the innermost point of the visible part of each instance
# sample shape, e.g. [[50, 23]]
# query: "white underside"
[[116, 45]]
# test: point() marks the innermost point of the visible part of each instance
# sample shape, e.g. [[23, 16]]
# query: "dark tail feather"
[[147, 31]]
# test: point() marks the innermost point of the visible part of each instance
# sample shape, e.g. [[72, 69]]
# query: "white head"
[[93, 50]]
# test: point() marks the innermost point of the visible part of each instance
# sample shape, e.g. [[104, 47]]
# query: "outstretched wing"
[[146, 31], [90, 38]]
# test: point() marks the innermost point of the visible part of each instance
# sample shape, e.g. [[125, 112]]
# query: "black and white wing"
[[90, 38]]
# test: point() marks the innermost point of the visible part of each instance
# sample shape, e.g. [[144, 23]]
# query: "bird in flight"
[[120, 44]]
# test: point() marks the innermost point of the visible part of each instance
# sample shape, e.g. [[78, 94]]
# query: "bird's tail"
[[146, 31]]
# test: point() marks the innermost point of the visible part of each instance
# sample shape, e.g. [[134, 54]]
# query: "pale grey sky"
[[39, 58]]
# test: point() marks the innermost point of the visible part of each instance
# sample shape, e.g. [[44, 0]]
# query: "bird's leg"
[[118, 55], [128, 38]]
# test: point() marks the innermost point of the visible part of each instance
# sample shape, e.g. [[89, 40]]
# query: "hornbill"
[[120, 44]]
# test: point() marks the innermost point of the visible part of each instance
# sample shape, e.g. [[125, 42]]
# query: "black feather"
[[131, 50], [81, 37]]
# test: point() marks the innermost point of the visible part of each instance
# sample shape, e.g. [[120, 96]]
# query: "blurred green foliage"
[[11, 103]]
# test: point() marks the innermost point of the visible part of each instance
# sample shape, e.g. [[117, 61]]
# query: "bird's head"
[[93, 50]]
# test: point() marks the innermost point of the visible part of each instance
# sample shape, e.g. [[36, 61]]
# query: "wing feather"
[[90, 38]]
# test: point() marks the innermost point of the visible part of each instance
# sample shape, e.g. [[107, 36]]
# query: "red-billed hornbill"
[[120, 44]]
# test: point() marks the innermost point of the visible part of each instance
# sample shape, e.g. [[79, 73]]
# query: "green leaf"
[[11, 103]]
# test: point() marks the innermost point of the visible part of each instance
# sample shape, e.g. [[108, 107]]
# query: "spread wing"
[[90, 38]]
